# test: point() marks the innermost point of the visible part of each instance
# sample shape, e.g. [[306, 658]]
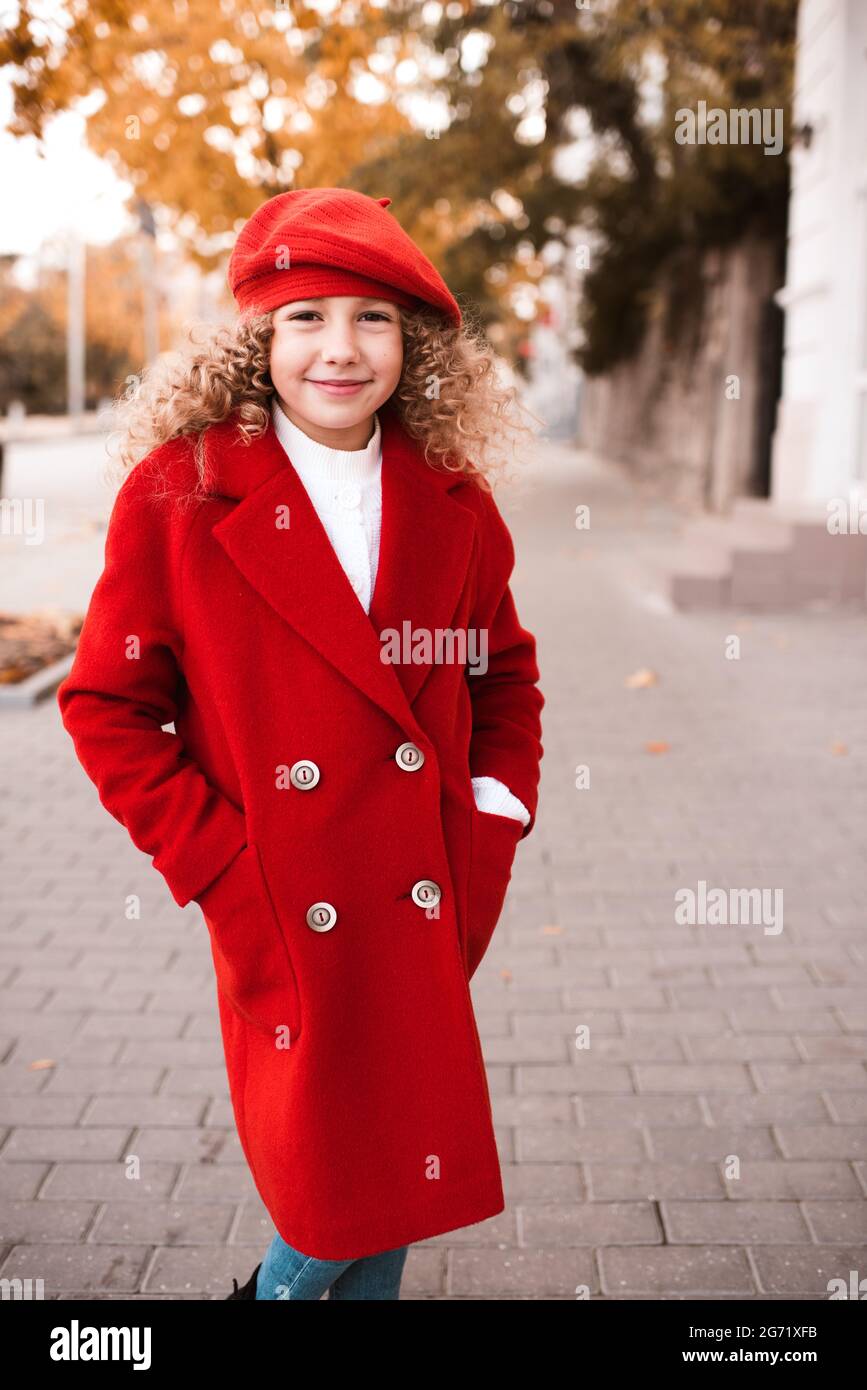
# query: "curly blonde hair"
[[448, 396]]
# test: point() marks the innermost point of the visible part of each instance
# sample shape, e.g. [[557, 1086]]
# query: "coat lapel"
[[425, 549]]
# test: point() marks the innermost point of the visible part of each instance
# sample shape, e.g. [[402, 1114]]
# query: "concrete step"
[[722, 561], [763, 557], [753, 530], [699, 576], [761, 576], [826, 566]]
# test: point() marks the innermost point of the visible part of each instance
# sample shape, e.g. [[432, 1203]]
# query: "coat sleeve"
[[126, 682], [506, 699]]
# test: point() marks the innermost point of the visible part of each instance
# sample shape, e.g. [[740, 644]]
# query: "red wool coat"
[[315, 800]]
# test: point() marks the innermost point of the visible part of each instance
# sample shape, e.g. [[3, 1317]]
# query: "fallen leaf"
[[641, 678], [659, 747], [552, 930], [42, 1063], [839, 749], [31, 641]]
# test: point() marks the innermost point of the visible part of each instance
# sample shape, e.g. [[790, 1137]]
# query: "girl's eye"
[[311, 313]]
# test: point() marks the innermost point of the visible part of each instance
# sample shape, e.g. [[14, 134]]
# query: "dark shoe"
[[249, 1289]]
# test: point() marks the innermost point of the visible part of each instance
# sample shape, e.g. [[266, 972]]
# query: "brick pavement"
[[710, 1142]]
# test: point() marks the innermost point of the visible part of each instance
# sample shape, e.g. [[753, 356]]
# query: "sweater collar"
[[237, 467], [315, 461]]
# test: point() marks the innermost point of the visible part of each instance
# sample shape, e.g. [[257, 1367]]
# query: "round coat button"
[[426, 893], [409, 757], [304, 774], [321, 916], [349, 495]]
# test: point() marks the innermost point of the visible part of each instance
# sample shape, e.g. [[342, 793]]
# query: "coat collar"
[[425, 549]]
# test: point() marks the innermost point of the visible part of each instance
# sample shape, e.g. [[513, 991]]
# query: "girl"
[[307, 575]]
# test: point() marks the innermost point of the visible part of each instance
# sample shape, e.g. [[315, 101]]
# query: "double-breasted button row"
[[322, 916], [304, 774]]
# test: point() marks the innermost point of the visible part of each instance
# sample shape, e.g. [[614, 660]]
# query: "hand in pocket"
[[251, 958], [494, 841]]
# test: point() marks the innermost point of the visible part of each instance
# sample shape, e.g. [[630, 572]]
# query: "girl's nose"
[[338, 342], [338, 339], [339, 356]]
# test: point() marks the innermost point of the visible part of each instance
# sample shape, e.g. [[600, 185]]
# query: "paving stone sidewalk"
[[710, 1141]]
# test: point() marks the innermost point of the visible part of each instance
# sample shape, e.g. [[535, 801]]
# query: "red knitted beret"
[[311, 242]]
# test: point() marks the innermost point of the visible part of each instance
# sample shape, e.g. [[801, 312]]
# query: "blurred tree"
[[33, 332], [464, 114], [32, 355], [210, 109], [606, 80]]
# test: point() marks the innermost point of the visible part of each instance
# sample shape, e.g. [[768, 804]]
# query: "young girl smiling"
[[315, 477]]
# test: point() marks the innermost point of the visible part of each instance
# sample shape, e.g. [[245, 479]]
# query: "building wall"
[[820, 446], [672, 413]]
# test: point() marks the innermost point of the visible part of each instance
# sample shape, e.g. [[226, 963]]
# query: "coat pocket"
[[492, 854], [251, 957]]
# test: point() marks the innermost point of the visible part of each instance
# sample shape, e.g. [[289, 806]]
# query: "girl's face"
[[319, 346]]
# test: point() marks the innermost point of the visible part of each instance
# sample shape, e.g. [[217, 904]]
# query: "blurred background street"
[[657, 212]]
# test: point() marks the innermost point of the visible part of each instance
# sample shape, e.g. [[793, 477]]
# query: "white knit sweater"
[[345, 487]]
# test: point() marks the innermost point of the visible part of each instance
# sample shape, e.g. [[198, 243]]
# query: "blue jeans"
[[286, 1273]]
